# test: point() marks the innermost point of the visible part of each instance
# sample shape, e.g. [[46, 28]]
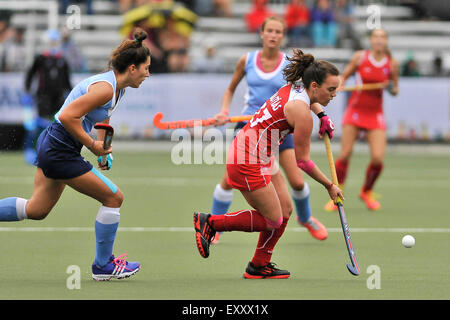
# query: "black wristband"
[[321, 114]]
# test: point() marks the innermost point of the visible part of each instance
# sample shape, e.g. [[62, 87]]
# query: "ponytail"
[[305, 68], [130, 52], [299, 62]]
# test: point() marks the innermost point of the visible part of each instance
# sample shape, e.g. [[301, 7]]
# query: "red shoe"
[[369, 200], [204, 233], [270, 271], [315, 228]]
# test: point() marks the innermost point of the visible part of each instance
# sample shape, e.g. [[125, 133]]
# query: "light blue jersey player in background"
[[59, 162], [263, 70]]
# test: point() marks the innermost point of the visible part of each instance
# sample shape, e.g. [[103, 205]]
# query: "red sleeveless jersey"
[[251, 154], [365, 107]]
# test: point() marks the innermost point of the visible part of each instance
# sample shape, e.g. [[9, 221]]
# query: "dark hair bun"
[[140, 35], [130, 52]]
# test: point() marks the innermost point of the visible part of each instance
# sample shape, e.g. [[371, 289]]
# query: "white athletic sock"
[[222, 194], [20, 208], [301, 200], [301, 194], [107, 215]]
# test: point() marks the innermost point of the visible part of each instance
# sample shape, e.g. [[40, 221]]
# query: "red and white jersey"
[[365, 107], [260, 138], [370, 71]]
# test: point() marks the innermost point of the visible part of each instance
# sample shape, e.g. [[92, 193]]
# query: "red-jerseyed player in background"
[[250, 162], [365, 112]]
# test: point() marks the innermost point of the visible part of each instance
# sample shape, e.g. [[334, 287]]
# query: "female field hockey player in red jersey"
[[263, 72], [250, 162], [365, 113]]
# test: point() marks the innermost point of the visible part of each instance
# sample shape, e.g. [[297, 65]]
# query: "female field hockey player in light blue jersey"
[[263, 70], [59, 162]]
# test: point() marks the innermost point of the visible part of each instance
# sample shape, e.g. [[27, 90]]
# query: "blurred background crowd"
[[210, 35]]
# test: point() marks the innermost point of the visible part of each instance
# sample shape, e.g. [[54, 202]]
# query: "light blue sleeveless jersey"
[[102, 112], [261, 85]]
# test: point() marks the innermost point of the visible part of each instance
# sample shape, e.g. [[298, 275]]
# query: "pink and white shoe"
[[116, 268]]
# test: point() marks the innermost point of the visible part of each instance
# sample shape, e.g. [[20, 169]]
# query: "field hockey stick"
[[353, 268], [107, 140], [366, 86], [157, 121]]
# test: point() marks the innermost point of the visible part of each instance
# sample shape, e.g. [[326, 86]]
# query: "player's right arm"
[[351, 67], [299, 117], [239, 73], [98, 94]]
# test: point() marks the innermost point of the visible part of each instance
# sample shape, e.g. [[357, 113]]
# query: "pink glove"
[[326, 126]]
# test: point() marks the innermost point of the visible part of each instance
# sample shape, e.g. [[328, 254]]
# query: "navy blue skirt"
[[58, 154], [288, 142]]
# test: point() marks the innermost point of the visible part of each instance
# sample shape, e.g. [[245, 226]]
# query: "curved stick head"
[[107, 140], [104, 126], [353, 270], [157, 120]]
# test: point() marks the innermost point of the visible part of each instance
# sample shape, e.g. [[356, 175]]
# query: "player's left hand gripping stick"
[[109, 133]]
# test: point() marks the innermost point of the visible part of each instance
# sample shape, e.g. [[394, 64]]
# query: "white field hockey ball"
[[408, 241]]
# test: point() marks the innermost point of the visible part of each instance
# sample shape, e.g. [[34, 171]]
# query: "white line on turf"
[[190, 229]]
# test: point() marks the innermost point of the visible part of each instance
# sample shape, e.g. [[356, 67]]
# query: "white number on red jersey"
[[260, 117]]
